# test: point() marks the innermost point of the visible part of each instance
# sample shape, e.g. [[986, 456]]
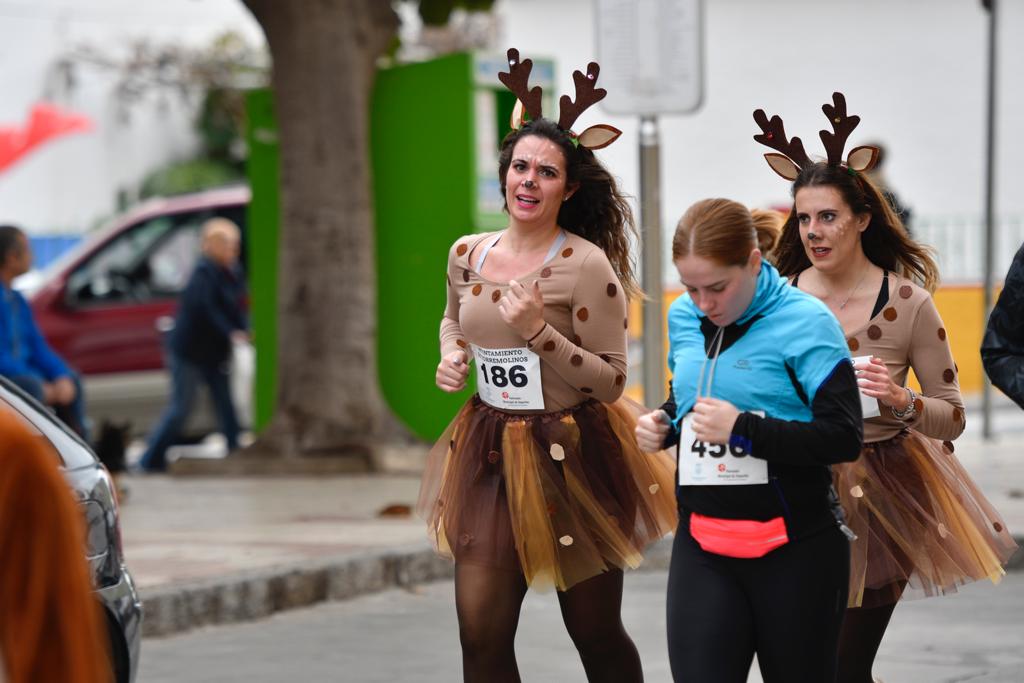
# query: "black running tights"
[[487, 601], [863, 628], [786, 607]]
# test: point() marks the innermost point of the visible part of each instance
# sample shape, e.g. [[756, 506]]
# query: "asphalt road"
[[976, 635]]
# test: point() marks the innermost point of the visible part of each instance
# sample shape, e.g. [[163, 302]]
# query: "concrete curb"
[[252, 595], [246, 596]]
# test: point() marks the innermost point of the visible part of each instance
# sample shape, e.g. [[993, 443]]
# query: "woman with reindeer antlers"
[[539, 480], [923, 527]]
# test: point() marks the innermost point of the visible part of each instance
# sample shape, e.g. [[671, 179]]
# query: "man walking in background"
[[1002, 349], [25, 357], [210, 318]]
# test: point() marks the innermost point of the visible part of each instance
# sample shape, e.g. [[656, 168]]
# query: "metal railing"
[[959, 248]]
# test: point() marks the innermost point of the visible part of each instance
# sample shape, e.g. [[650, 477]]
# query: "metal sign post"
[[986, 395], [650, 212], [651, 55]]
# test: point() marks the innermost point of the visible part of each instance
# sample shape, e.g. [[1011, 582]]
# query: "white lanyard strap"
[[716, 342]]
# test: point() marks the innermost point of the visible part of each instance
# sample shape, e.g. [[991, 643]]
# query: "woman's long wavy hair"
[[597, 211], [885, 241], [51, 626]]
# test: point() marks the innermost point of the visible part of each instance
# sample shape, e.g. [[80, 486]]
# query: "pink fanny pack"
[[741, 538]]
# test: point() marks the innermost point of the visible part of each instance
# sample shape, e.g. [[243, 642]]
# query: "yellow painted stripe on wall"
[[960, 307]]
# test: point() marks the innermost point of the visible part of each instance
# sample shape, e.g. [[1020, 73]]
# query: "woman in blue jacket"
[[763, 401]]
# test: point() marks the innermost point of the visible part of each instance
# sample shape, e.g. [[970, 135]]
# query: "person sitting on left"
[[25, 357]]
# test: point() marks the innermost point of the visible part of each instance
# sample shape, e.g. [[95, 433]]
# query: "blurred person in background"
[[1002, 349], [25, 357], [211, 317], [51, 627], [877, 176]]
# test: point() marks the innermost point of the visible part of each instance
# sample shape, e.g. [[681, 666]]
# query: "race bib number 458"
[[509, 379], [715, 464]]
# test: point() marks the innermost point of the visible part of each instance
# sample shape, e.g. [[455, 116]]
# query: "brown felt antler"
[[587, 94], [842, 124], [517, 80], [794, 158], [773, 135]]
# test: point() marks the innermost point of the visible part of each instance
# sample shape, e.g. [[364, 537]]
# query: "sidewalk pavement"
[[218, 550]]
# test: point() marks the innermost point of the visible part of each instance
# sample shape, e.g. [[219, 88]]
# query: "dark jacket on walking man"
[[1002, 349], [210, 312], [211, 317]]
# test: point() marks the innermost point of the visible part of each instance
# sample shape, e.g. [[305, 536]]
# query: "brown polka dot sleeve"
[[594, 361], [582, 349], [909, 333], [941, 411], [452, 338]]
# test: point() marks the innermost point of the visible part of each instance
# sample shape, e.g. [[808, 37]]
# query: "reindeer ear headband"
[[793, 158], [528, 102]]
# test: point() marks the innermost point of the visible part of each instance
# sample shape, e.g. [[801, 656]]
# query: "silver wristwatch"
[[908, 413]]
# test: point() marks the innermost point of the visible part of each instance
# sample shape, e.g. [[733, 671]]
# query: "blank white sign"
[[651, 55]]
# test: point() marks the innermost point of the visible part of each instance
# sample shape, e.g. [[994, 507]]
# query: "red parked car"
[[105, 306]]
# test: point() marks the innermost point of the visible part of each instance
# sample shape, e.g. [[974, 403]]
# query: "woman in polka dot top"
[[923, 527], [539, 481]]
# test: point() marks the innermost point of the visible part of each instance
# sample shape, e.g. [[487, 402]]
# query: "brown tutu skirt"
[[560, 497], [923, 527]]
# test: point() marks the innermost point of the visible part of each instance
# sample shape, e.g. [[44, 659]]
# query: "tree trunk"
[[324, 61]]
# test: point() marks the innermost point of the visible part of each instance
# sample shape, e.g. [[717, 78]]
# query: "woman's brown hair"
[[885, 241], [51, 626], [596, 211], [725, 232]]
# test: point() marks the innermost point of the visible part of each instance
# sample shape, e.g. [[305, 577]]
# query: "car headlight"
[[97, 535], [102, 537]]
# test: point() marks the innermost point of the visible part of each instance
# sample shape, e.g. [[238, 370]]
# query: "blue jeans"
[[71, 414], [185, 378]]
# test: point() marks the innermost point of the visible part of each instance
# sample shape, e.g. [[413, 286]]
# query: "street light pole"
[[651, 281], [990, 150]]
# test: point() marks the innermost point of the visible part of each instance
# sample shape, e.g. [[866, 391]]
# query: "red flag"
[[45, 122]]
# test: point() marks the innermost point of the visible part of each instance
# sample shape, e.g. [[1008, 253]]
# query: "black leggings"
[[786, 606], [863, 629], [487, 601]]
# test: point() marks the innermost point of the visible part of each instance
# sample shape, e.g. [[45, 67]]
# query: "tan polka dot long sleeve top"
[[909, 333], [583, 347]]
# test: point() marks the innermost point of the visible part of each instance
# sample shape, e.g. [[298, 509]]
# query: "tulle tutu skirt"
[[923, 526], [560, 497]]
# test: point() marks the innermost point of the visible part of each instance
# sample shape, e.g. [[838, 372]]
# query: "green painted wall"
[[422, 142], [435, 127], [262, 239]]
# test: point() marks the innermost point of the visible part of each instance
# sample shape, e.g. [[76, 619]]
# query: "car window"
[[108, 275], [151, 260], [173, 259]]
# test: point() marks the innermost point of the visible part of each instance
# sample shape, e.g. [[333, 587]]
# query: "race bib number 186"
[[509, 379]]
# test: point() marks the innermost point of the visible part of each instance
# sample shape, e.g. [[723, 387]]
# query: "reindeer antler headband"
[[528, 102], [793, 158]]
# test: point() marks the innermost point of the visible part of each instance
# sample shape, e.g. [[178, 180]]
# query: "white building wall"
[[68, 184], [914, 70]]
